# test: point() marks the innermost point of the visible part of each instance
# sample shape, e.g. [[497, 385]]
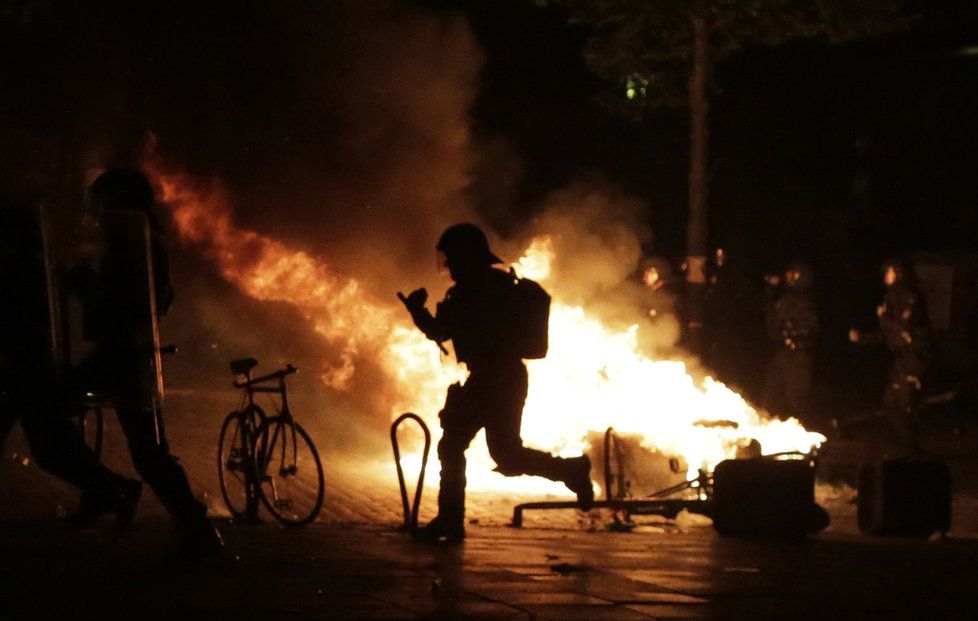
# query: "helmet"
[[124, 188], [467, 243], [798, 276]]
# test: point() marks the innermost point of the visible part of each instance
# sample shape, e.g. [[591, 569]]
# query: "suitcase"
[[766, 498], [909, 497]]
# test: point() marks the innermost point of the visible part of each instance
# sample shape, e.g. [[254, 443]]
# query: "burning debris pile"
[[379, 156], [597, 375]]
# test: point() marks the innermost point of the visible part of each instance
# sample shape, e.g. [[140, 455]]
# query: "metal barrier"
[[410, 512], [656, 503], [666, 507]]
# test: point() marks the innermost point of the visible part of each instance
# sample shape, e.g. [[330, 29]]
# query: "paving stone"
[[511, 587], [655, 597], [520, 598], [668, 611], [352, 564], [585, 613]]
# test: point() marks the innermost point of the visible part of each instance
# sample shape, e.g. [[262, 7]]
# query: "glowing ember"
[[592, 379]]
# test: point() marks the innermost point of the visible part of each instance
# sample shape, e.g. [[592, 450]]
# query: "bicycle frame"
[[253, 386], [246, 436]]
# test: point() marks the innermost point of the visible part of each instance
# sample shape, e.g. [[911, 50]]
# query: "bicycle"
[[268, 458]]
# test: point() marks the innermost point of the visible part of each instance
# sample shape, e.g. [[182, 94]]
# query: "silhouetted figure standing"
[[478, 316], [792, 322], [660, 299], [905, 330], [115, 321], [732, 326], [30, 389]]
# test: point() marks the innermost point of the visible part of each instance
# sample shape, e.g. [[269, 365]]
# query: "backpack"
[[529, 318]]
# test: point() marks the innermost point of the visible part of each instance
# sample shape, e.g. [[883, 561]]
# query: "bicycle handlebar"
[[288, 370]]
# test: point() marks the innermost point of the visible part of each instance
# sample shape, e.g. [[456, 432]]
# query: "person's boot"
[[127, 502], [197, 537], [442, 529], [122, 499], [91, 506], [198, 542], [578, 480]]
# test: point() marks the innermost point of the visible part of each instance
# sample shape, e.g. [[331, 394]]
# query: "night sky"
[[840, 156]]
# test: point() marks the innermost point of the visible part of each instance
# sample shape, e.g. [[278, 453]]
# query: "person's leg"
[[160, 469], [59, 449], [459, 423], [157, 467], [798, 384], [503, 414], [774, 384], [898, 406]]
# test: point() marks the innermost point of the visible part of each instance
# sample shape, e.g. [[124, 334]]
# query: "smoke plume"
[[598, 234]]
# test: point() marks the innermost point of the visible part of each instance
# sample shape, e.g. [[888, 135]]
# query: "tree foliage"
[[644, 46]]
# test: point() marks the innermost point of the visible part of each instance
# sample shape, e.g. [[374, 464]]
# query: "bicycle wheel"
[[234, 459], [289, 473]]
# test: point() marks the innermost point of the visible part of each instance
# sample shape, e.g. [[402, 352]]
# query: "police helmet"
[[124, 189], [466, 243]]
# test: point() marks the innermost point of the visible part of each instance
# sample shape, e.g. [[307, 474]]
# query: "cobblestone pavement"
[[334, 572], [362, 491], [353, 564]]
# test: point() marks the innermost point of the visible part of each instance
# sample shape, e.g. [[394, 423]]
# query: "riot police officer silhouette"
[[115, 321], [792, 322], [30, 386], [904, 328], [477, 315]]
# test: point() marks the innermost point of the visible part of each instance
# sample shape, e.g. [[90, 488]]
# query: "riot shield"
[[55, 319], [129, 286], [29, 316]]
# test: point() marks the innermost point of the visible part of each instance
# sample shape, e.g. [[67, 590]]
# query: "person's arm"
[[434, 326]]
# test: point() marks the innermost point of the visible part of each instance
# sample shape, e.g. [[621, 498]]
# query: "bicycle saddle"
[[243, 366]]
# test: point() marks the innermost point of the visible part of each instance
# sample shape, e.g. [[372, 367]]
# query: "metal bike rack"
[[614, 481], [615, 484], [410, 512]]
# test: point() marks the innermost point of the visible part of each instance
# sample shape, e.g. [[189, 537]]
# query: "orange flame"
[[593, 378]]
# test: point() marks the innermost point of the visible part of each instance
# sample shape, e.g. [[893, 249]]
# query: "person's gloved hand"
[[415, 301]]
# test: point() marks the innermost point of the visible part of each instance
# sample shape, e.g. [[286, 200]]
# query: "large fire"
[[593, 378]]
